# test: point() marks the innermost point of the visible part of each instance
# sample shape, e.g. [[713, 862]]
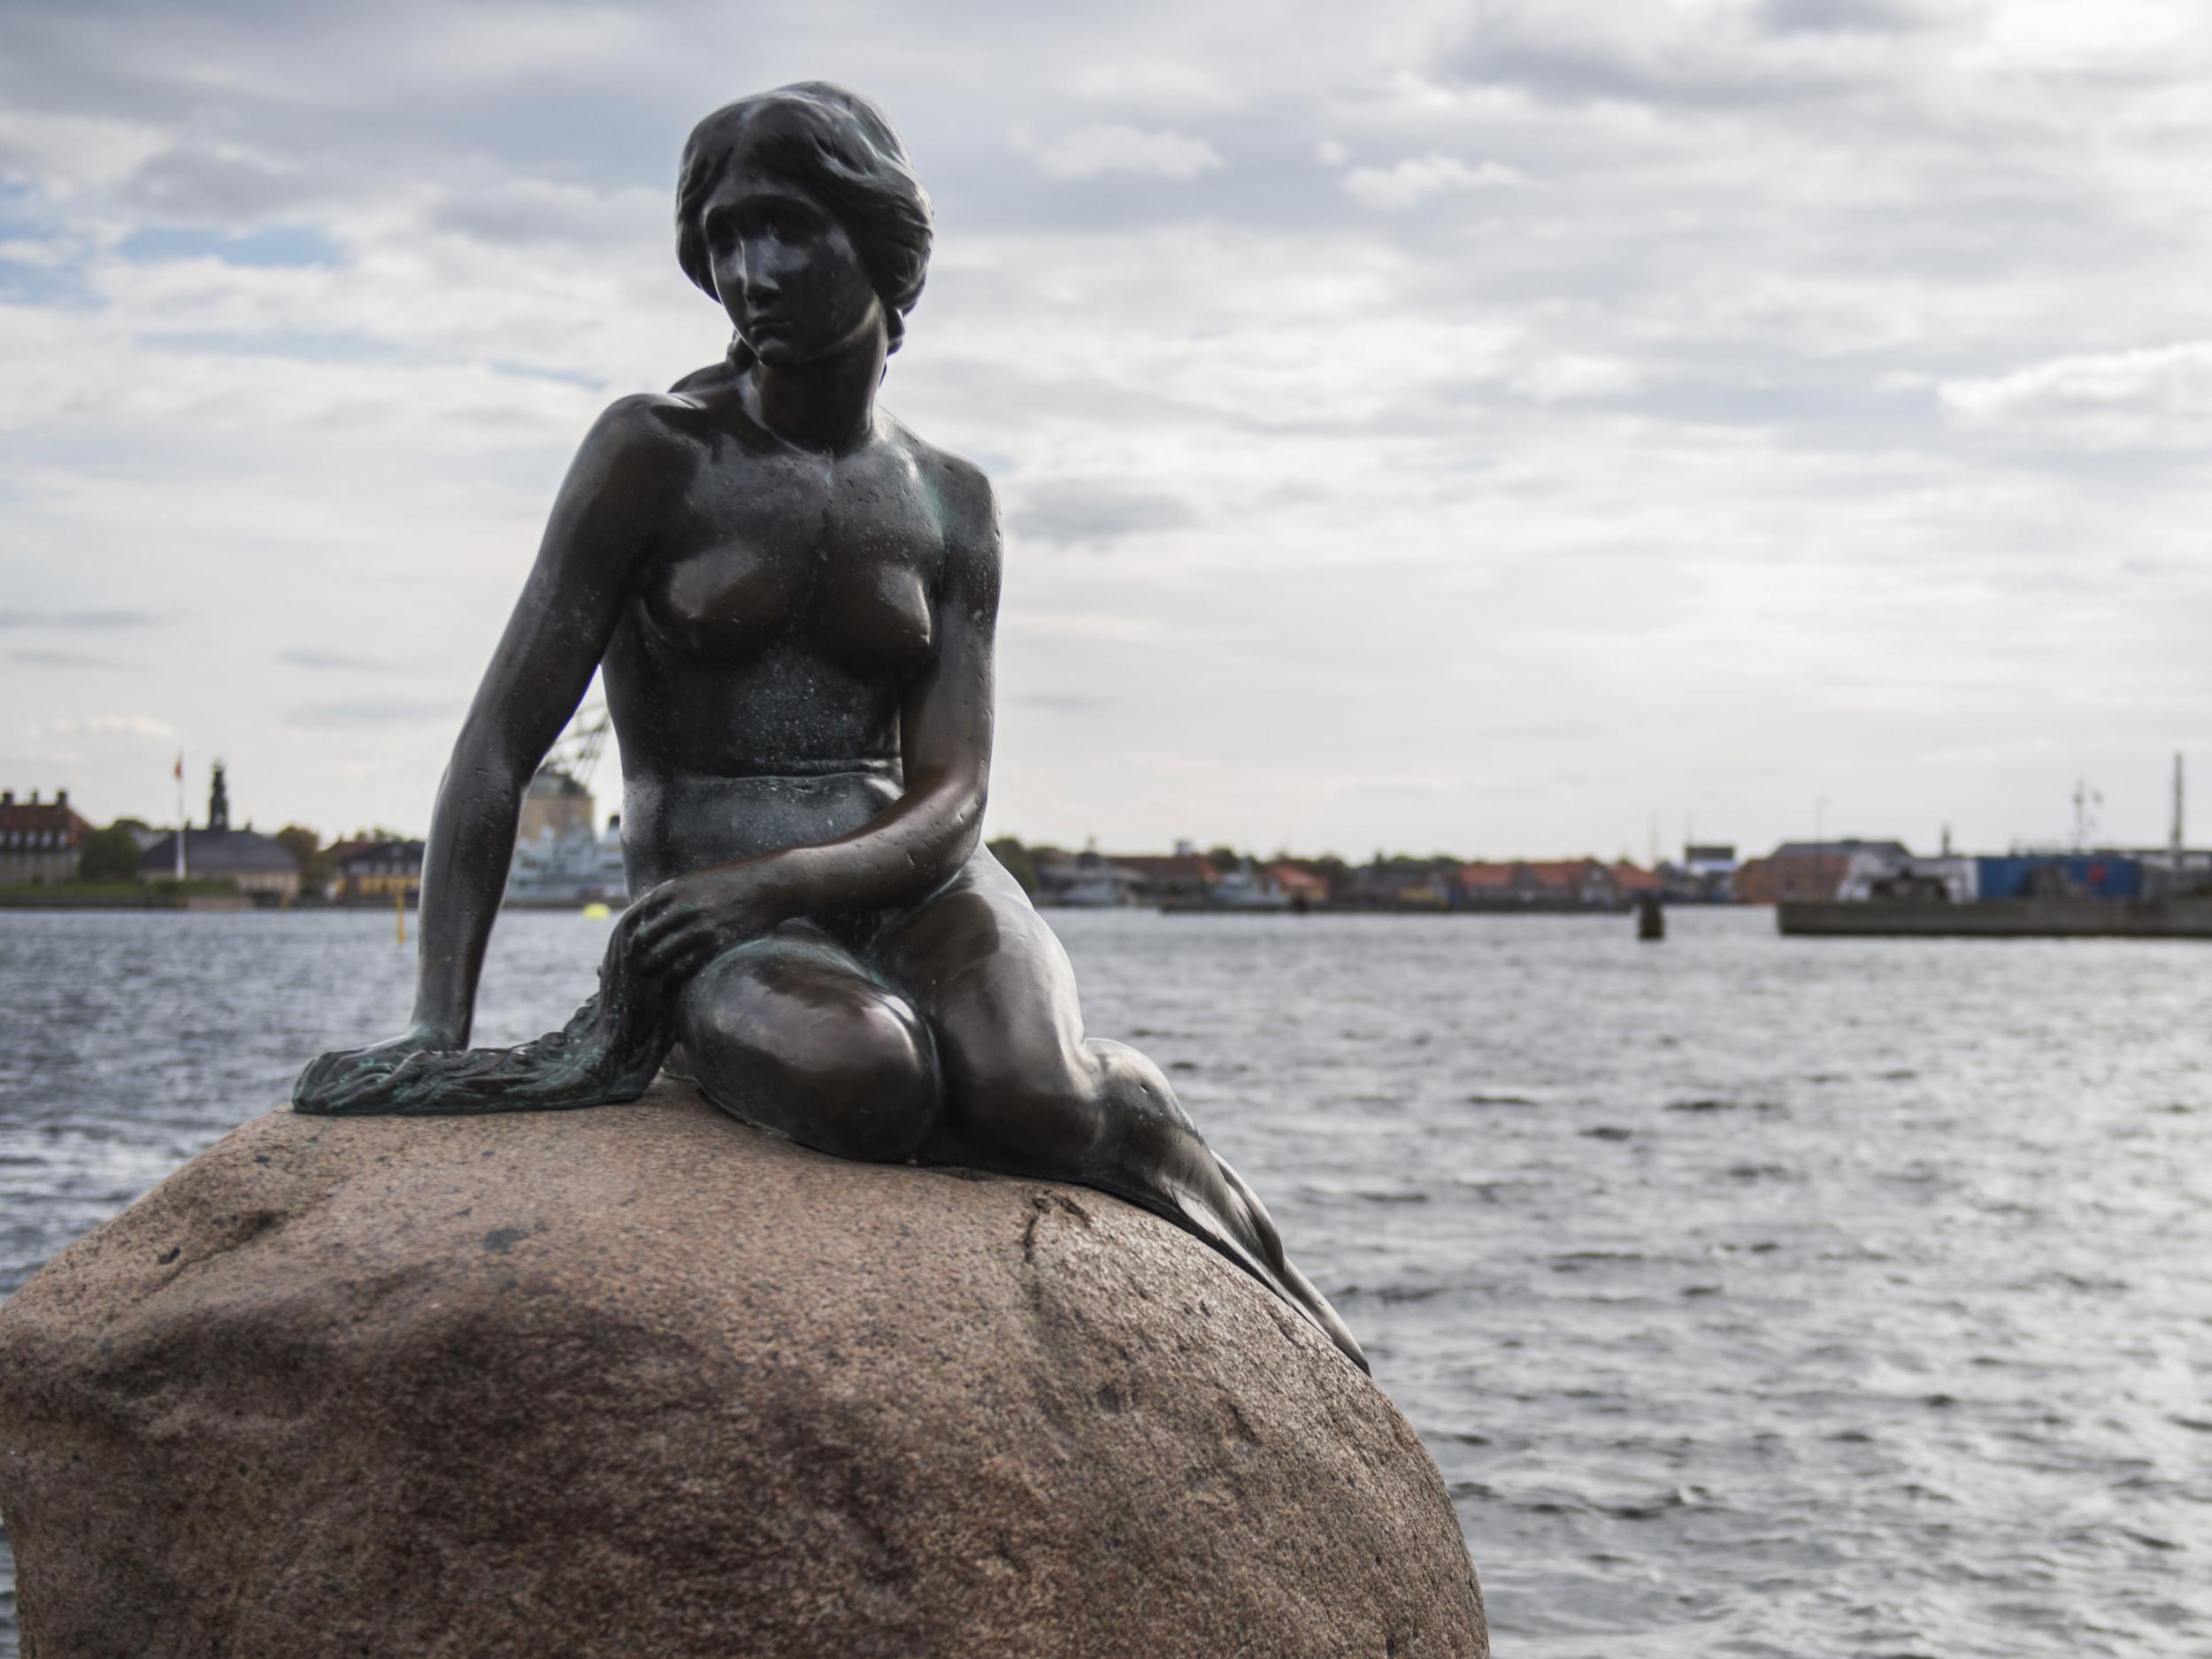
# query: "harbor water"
[[1756, 1296]]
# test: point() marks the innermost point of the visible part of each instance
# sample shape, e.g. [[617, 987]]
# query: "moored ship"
[[2183, 916]]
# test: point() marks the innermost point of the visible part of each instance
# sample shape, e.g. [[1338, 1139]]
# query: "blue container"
[[2056, 875]]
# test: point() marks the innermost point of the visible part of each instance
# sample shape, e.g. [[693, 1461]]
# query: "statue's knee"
[[830, 1060]]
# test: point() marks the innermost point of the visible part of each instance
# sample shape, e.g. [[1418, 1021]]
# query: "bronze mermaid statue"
[[792, 600]]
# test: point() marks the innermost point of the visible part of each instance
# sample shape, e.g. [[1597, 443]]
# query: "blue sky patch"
[[280, 245]]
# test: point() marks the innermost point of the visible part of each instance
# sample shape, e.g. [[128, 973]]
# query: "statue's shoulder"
[[961, 486], [648, 428]]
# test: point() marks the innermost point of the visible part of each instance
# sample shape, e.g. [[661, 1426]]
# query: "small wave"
[[1499, 1100], [1760, 1172], [1608, 1132], [1396, 1293], [1581, 1260]]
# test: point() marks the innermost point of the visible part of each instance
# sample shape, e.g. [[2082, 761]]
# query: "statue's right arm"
[[602, 527]]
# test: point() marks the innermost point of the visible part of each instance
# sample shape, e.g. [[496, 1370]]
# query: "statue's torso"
[[756, 678]]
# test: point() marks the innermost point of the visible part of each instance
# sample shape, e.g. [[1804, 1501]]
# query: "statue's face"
[[784, 269]]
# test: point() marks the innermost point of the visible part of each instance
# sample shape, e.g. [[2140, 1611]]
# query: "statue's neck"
[[829, 404]]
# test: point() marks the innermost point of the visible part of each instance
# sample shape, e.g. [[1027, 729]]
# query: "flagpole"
[[183, 823]]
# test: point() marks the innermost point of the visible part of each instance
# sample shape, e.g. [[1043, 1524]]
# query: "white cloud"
[[1567, 375], [40, 255], [99, 726], [1088, 151], [65, 153], [1161, 84], [1413, 181], [2153, 397]]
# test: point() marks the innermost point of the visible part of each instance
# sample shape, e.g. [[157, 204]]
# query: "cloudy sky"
[[1509, 428]]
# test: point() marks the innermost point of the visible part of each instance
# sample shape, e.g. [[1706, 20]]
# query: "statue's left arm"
[[945, 729]]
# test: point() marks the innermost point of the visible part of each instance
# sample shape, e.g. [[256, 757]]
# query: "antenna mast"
[[2084, 823]]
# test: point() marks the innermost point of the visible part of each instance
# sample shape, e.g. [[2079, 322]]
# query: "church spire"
[[219, 801]]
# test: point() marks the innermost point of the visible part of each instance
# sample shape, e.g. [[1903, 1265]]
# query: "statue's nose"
[[758, 276]]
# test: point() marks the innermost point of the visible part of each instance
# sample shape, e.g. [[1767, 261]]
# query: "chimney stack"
[[7, 797], [61, 798], [33, 797]]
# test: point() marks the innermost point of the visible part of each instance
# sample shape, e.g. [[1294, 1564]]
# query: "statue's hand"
[[348, 1079], [682, 925]]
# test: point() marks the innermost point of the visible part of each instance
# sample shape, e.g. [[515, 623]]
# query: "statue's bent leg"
[[795, 1035], [1027, 1094]]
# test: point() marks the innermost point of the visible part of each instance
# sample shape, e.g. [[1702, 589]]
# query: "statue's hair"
[[836, 144]]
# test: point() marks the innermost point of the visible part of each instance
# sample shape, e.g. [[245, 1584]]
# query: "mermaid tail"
[[609, 1053]]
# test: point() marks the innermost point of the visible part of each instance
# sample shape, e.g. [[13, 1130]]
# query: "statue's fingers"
[[320, 1069], [315, 1080], [677, 950], [363, 1084], [655, 931], [652, 907], [698, 948]]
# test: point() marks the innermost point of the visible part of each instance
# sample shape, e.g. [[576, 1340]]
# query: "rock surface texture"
[[645, 1382]]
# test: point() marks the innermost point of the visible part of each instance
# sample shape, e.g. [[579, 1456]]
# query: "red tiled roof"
[[1563, 872], [47, 815], [1157, 867], [1486, 875]]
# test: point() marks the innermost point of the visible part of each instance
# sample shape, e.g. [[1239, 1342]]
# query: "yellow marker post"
[[399, 912]]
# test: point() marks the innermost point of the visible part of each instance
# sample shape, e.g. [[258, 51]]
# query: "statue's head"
[[799, 211]]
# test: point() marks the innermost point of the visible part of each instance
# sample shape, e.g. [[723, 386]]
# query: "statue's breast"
[[728, 600], [856, 592]]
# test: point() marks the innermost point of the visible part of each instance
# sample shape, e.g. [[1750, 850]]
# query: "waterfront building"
[[1631, 880], [1945, 878], [1086, 880], [1405, 884], [257, 864], [1707, 874], [555, 804], [1182, 877], [1301, 886], [1810, 870], [336, 855], [1709, 860], [381, 871], [40, 840], [1551, 884]]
